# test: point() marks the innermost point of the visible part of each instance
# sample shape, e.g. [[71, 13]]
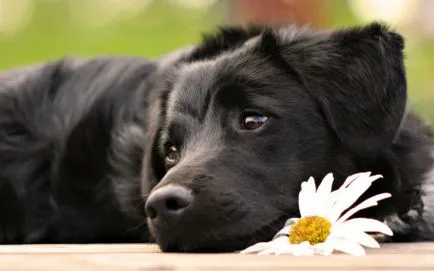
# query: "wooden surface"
[[418, 256]]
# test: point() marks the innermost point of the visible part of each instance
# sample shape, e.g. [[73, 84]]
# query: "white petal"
[[276, 250], [304, 249], [306, 198], [366, 225], [372, 201], [354, 234], [351, 194], [303, 202], [323, 249], [322, 201], [296, 250], [256, 248], [262, 246], [347, 246], [365, 240], [353, 177], [348, 181], [284, 231]]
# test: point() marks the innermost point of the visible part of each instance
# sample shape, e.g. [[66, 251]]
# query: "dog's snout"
[[169, 202]]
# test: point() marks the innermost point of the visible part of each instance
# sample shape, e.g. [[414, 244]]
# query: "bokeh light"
[[40, 30]]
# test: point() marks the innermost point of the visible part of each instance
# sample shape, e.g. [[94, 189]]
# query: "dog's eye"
[[172, 156], [252, 121]]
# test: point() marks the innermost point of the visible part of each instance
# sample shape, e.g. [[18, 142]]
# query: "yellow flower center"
[[314, 229]]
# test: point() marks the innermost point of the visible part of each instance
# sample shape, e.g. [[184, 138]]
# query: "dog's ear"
[[226, 38], [358, 77]]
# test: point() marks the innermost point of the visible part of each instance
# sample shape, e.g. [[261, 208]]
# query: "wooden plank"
[[416, 256], [91, 248]]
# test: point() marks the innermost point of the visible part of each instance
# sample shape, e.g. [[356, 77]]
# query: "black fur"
[[82, 143]]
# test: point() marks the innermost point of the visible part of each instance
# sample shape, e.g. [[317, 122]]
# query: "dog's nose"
[[169, 202]]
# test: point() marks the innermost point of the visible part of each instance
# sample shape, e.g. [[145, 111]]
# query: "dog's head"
[[250, 114]]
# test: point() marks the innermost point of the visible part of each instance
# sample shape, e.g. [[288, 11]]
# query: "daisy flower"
[[324, 225]]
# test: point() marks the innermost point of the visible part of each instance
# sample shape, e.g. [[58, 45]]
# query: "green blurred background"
[[40, 30]]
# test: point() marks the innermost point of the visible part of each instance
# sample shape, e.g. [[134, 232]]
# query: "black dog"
[[210, 143]]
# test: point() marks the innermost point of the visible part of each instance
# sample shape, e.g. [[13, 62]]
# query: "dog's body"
[[70, 132], [216, 139]]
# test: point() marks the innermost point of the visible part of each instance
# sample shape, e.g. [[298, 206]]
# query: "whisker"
[[135, 227]]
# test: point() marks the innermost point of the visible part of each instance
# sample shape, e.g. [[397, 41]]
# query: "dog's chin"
[[214, 243]]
